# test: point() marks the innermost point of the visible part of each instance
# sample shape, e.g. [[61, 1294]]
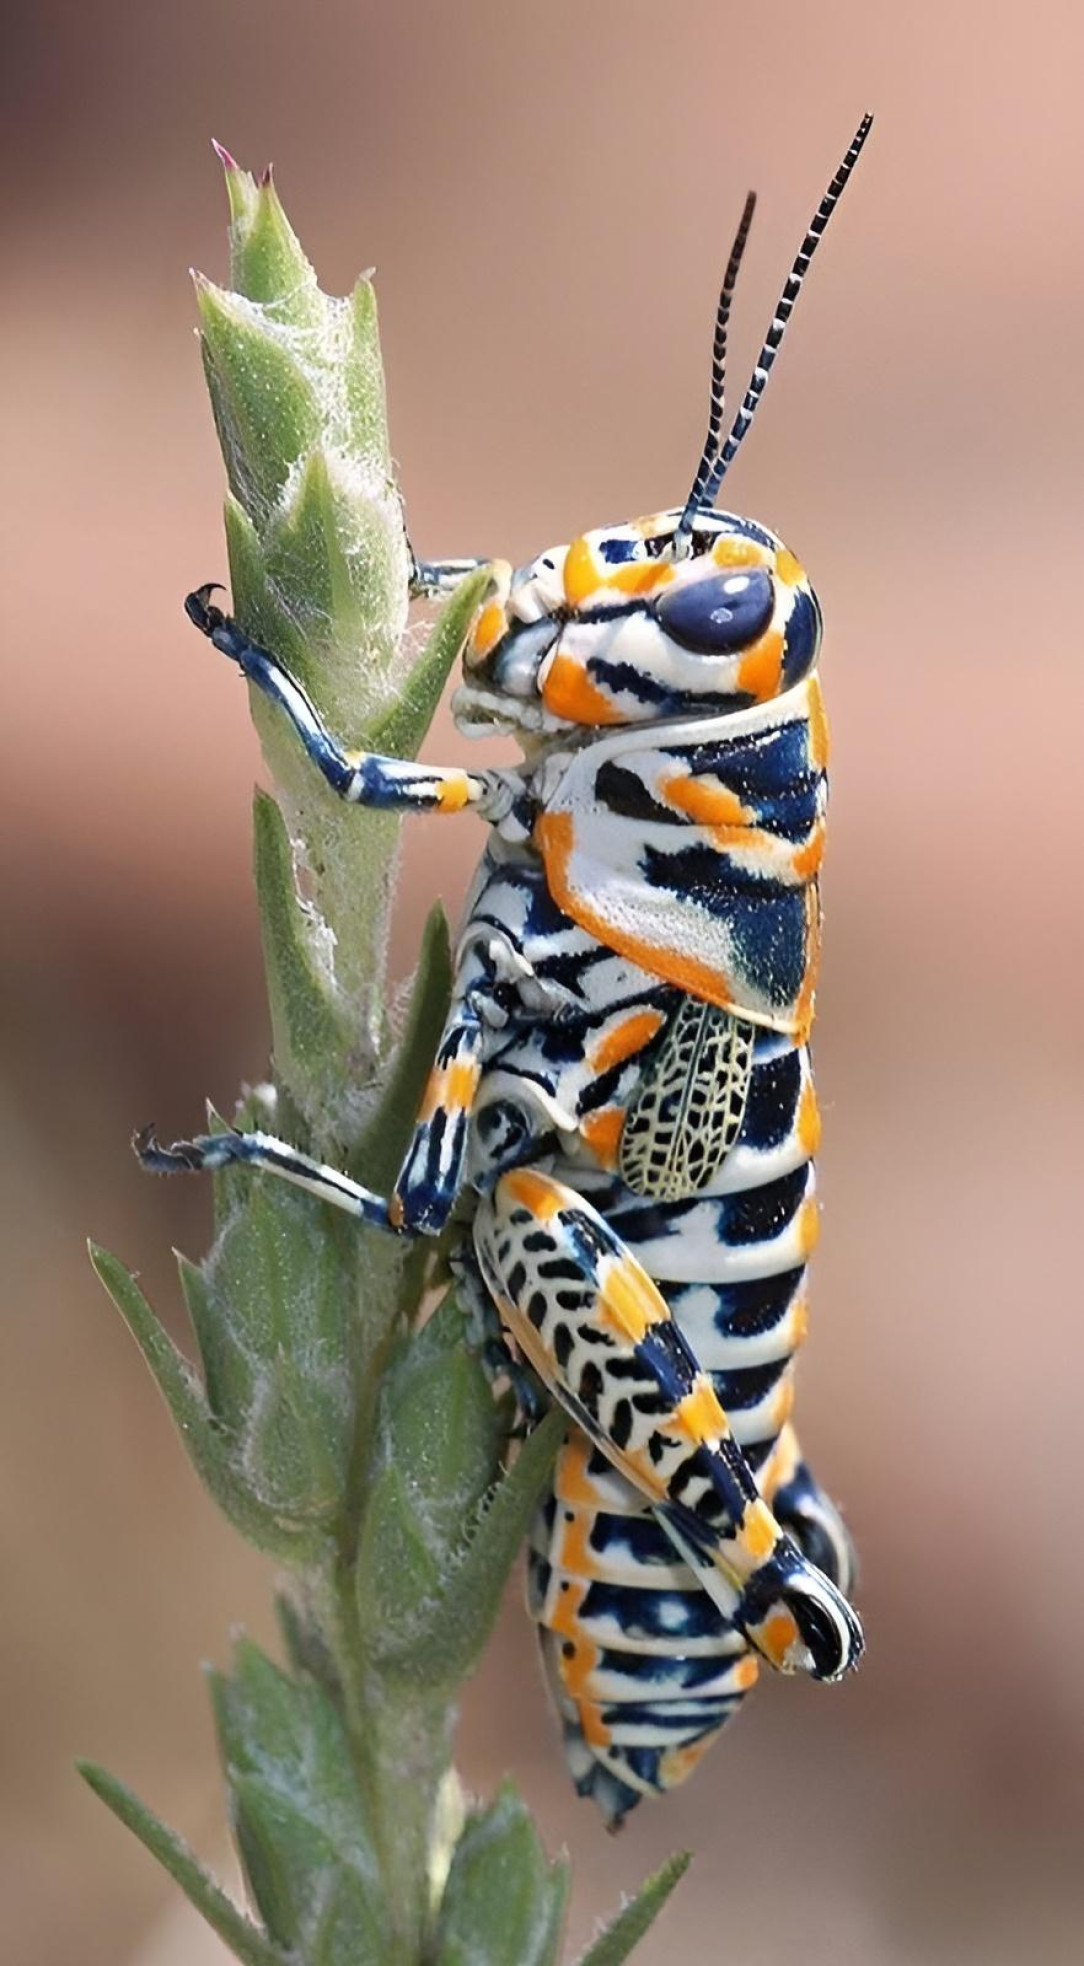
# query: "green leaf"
[[306, 1646], [628, 1928], [312, 551], [312, 1039], [208, 1447], [436, 1617], [201, 1890], [265, 409], [400, 730], [503, 1904], [437, 1454], [240, 190], [267, 263], [385, 1140], [439, 1420], [301, 1823], [342, 562], [284, 1347], [252, 602], [363, 376]]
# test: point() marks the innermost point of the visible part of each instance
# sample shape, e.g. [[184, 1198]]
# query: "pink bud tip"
[[228, 163]]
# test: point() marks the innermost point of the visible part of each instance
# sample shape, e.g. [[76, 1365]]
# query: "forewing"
[[687, 1113]]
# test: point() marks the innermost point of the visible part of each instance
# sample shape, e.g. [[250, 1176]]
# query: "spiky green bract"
[[504, 1903], [302, 1822], [245, 1941], [358, 1445], [616, 1943]]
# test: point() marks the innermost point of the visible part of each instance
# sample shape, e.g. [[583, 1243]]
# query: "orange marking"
[[581, 574], [759, 1531], [454, 793], [575, 1669], [640, 576], [760, 670], [566, 1609], [746, 1673], [806, 860], [488, 629], [706, 801], [625, 1039], [809, 1120], [451, 1087], [602, 1133], [462, 1082], [677, 1764], [595, 1731], [778, 1635], [809, 1228], [629, 1302], [781, 1464], [395, 1212], [575, 1553], [818, 725], [799, 1322], [790, 570], [533, 1191], [731, 551], [554, 835], [572, 1481], [783, 1403], [699, 1415], [431, 1097], [584, 576], [804, 1008], [569, 692]]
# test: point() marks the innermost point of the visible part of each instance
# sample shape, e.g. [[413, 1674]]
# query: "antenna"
[[718, 382], [740, 427]]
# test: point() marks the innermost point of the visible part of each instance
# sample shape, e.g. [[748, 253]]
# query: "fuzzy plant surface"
[[343, 1429]]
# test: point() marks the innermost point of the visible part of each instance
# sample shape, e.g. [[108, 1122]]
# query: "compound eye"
[[724, 612]]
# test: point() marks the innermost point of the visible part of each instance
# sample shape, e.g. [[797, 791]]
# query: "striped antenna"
[[770, 350], [718, 382]]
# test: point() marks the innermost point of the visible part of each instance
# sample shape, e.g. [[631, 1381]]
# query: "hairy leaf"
[[503, 1904], [302, 1826], [210, 1450], [616, 1943], [199, 1887]]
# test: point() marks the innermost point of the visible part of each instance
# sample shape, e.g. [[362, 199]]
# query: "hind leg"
[[812, 1518], [595, 1327]]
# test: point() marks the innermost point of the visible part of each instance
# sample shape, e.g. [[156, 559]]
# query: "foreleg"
[[365, 778], [431, 578], [599, 1334]]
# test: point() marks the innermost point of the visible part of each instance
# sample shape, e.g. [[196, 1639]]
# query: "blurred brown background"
[[548, 192]]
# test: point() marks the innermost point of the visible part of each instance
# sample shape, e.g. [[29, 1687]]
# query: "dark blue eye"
[[724, 612]]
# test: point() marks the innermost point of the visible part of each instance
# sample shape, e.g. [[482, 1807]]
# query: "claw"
[[183, 1157], [198, 609]]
